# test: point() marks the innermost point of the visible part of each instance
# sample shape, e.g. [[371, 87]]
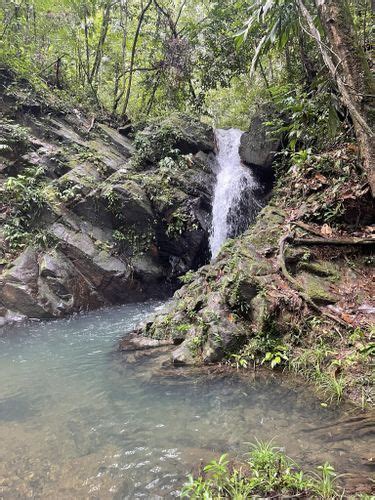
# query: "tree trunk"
[[348, 66], [101, 41], [132, 57]]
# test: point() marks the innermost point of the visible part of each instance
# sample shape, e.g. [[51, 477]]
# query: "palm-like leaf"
[[277, 20]]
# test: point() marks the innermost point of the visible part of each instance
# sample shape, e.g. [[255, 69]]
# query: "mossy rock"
[[321, 268], [178, 131], [317, 288]]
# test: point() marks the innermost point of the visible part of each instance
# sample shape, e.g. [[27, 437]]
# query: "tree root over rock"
[[289, 238]]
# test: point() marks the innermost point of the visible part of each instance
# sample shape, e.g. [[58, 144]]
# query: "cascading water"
[[234, 205]]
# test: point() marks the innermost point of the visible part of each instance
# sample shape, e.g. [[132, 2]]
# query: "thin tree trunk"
[[132, 57], [87, 46], [101, 41], [348, 66], [307, 64]]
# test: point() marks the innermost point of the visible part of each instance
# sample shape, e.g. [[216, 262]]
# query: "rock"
[[178, 131], [110, 275], [33, 107], [317, 288], [110, 233], [8, 317], [147, 268], [258, 147], [123, 144], [19, 286], [321, 268], [63, 287], [131, 201], [45, 286], [183, 355], [126, 130], [134, 342]]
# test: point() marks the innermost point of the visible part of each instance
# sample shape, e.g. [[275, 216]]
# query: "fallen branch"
[[283, 241], [91, 125], [307, 228], [332, 241]]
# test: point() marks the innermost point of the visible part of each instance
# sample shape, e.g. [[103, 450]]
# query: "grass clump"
[[268, 472]]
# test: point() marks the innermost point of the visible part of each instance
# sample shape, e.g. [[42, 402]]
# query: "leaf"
[[333, 120], [257, 55], [346, 317], [268, 6], [321, 178], [326, 230], [284, 39]]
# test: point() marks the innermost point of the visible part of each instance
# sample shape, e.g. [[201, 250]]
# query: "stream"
[[80, 420]]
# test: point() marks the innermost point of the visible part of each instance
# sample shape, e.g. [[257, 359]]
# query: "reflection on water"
[[79, 420]]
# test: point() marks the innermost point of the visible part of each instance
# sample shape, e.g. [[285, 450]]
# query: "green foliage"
[[154, 144], [68, 191], [25, 198], [268, 471], [263, 348], [325, 484], [308, 118], [332, 386], [179, 222], [187, 278], [277, 356], [12, 136], [276, 20]]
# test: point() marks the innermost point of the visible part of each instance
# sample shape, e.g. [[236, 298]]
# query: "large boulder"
[[258, 147], [45, 285], [19, 286], [178, 131]]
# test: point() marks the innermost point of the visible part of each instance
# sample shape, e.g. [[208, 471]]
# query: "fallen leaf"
[[346, 317], [321, 178], [326, 230]]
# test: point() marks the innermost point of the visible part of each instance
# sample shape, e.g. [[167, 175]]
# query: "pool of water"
[[80, 420]]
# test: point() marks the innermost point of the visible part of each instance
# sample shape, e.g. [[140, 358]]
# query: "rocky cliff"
[[89, 217]]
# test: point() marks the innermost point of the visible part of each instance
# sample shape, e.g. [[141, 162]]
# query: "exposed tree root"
[[281, 257]]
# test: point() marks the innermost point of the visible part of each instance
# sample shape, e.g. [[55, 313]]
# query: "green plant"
[[178, 223], [311, 117], [68, 191], [267, 471], [368, 349], [195, 344], [240, 361], [12, 136], [276, 356], [184, 327], [332, 386], [118, 236], [188, 277], [25, 197], [324, 484]]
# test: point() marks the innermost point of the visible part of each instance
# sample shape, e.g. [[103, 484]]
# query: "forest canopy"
[[129, 59]]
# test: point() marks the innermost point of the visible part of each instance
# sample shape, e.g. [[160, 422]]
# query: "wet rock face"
[[120, 221], [258, 147]]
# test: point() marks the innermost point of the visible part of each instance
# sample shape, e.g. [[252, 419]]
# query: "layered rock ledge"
[[89, 217]]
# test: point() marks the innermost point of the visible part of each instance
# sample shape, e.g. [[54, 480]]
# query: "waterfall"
[[234, 204]]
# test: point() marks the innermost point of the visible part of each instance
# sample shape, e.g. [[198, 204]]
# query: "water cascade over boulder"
[[236, 197]]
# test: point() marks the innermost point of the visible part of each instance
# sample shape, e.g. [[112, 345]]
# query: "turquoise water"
[[80, 420]]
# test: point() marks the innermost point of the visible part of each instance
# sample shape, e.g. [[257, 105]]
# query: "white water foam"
[[233, 181]]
